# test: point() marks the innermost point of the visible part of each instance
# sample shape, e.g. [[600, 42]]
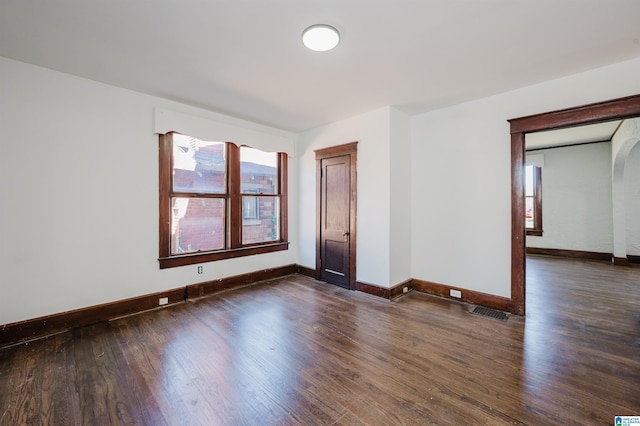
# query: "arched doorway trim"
[[618, 200]]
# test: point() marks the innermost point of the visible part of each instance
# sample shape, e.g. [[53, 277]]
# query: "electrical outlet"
[[163, 301], [200, 269], [455, 293], [405, 289]]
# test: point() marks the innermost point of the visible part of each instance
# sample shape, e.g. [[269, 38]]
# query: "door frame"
[[350, 149], [615, 109]]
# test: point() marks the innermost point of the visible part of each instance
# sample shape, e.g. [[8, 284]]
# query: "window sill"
[[195, 258], [534, 232]]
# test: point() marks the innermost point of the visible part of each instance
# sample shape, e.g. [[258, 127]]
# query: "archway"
[[620, 172]]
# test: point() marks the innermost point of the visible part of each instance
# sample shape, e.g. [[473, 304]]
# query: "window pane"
[[529, 212], [249, 208], [260, 219], [258, 171], [197, 224], [198, 166], [529, 183]]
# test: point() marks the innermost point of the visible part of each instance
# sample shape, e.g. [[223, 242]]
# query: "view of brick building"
[[198, 224]]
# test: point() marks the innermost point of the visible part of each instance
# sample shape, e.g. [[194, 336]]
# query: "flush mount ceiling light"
[[320, 37]]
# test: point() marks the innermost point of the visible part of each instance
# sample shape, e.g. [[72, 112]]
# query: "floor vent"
[[491, 313]]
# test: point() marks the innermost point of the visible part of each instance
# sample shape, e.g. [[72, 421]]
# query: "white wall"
[[400, 198], [79, 196], [461, 200], [372, 132], [460, 210], [576, 199]]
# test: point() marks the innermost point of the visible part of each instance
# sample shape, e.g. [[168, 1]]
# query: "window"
[[533, 200], [219, 201]]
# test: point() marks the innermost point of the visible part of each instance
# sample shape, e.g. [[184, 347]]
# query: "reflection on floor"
[[298, 351]]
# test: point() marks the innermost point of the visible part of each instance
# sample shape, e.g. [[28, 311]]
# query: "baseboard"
[[207, 288], [303, 270], [398, 289], [575, 254], [621, 261], [469, 296], [633, 259], [36, 328], [383, 292], [374, 290], [56, 323]]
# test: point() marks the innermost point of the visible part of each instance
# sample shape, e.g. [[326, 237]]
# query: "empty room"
[[320, 212]]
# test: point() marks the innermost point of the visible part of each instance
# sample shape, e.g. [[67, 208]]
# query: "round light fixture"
[[320, 37]]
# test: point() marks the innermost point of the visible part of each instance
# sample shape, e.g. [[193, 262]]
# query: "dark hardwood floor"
[[297, 351]]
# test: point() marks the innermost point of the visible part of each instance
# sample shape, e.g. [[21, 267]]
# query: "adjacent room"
[[208, 218]]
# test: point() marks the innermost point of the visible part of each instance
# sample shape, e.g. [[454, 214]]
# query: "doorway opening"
[[616, 109]]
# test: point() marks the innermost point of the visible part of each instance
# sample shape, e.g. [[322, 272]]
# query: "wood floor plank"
[[295, 351]]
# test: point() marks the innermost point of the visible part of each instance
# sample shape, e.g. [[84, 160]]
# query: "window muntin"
[[204, 212]]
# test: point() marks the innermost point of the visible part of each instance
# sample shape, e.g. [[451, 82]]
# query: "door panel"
[[335, 219]]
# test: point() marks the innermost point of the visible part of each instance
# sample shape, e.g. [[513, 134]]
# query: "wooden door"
[[336, 197], [334, 232]]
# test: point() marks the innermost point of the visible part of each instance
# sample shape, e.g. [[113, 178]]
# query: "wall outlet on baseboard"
[[163, 301], [200, 269], [455, 293], [405, 289]]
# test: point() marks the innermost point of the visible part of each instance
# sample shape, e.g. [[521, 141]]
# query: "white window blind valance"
[[265, 139]]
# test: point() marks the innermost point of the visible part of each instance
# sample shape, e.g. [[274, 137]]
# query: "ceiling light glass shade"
[[320, 37]]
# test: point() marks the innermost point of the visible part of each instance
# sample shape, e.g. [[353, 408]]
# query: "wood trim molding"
[[518, 237], [397, 290], [598, 112], [31, 329], [469, 296], [383, 292], [633, 259], [57, 323], [309, 272], [192, 258], [374, 290], [621, 261], [336, 151], [207, 288], [435, 289], [575, 254]]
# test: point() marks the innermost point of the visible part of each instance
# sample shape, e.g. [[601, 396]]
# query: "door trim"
[[350, 149], [615, 109]]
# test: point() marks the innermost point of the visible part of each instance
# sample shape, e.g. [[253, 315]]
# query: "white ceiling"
[[245, 57], [599, 132]]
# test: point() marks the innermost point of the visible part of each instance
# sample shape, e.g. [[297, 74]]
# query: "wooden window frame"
[[537, 203], [233, 197]]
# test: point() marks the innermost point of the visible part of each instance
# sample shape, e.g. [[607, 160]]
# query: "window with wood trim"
[[219, 201], [533, 200]]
